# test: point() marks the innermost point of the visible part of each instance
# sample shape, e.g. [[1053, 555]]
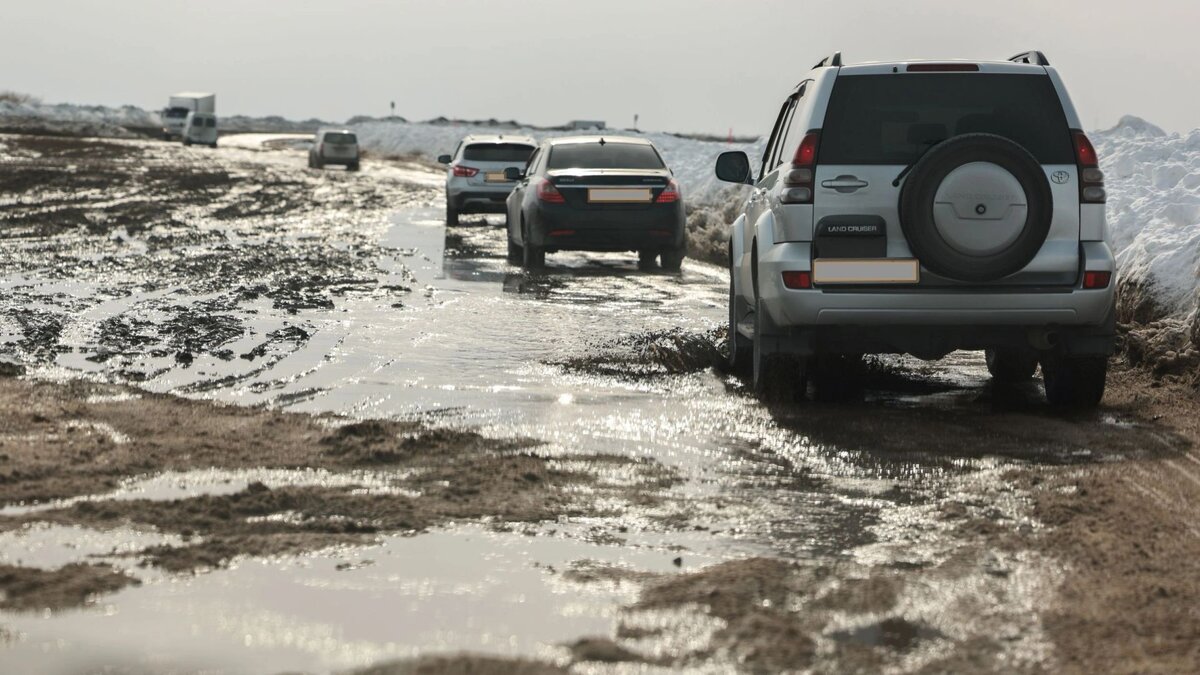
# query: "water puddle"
[[468, 589]]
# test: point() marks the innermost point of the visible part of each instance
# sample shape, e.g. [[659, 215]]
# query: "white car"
[[200, 129], [475, 181], [334, 146], [924, 207]]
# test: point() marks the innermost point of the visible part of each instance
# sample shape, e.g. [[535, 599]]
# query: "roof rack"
[[834, 61], [1035, 58]]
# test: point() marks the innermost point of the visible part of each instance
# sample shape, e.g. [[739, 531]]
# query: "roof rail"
[[834, 61], [1034, 57]]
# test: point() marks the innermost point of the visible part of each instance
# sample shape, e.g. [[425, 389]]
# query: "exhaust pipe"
[[1043, 340]]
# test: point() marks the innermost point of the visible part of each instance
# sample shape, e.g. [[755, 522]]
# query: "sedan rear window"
[[892, 119], [340, 138], [604, 156], [517, 153]]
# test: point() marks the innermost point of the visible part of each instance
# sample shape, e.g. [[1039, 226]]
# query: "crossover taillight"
[[797, 280], [798, 181], [1091, 178], [465, 171], [546, 192], [670, 194], [1095, 280]]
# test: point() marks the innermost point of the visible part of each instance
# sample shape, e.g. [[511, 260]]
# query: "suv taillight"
[[465, 171], [670, 194], [1091, 178], [798, 182], [546, 192]]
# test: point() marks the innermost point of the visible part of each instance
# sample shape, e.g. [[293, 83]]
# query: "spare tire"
[[976, 208]]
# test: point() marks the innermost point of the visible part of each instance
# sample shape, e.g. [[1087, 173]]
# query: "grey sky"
[[685, 65]]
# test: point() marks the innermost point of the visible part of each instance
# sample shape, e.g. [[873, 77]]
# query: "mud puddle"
[[345, 608]]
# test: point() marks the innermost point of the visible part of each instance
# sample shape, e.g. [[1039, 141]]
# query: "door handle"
[[845, 183]]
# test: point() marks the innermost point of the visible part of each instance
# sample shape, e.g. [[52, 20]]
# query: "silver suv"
[[334, 146], [475, 181], [923, 207]]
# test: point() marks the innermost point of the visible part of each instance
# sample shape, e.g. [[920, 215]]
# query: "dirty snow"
[[1153, 182]]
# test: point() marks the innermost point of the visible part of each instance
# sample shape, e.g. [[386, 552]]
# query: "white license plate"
[[495, 177], [853, 271], [618, 195]]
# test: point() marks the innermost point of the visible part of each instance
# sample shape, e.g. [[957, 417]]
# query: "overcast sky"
[[683, 65]]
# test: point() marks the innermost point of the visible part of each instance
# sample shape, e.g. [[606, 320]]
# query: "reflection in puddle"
[[468, 589]]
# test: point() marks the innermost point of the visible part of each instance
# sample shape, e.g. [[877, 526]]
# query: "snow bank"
[[1153, 182], [692, 160]]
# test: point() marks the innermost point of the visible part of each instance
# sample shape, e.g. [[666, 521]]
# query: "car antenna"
[[602, 141]]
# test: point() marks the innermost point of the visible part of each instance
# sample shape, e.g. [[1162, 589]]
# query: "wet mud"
[[467, 468]]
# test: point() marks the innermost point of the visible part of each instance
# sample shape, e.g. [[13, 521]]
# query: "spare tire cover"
[[976, 208]]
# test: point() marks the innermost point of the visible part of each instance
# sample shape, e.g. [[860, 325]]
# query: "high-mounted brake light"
[[670, 194], [942, 68], [465, 171], [546, 192], [1091, 178], [798, 182]]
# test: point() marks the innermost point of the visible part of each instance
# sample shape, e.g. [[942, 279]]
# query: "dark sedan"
[[596, 194]]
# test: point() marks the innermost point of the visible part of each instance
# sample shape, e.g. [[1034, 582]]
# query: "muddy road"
[[258, 418]]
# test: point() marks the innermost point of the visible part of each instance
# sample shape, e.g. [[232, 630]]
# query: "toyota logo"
[[980, 209], [1060, 177]]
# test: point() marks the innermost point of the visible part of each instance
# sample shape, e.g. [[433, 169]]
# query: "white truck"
[[174, 116]]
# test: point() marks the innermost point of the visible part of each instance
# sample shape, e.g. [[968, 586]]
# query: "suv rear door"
[[880, 120]]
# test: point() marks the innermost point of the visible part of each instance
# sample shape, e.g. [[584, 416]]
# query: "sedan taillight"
[[546, 192], [670, 194]]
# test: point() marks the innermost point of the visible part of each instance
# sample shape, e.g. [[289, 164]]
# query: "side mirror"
[[734, 167], [444, 159], [513, 173]]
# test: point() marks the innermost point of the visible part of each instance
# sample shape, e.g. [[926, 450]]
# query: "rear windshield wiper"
[[902, 174]]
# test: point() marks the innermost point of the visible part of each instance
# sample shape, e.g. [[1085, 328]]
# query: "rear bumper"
[[558, 228], [1073, 319], [479, 200]]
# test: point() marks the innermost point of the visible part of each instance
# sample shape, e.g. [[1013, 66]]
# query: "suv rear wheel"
[[741, 350], [1075, 383], [451, 214], [1011, 365], [776, 377]]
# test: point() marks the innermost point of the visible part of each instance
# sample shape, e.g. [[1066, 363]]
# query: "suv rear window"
[[892, 119], [604, 156], [517, 153], [339, 138]]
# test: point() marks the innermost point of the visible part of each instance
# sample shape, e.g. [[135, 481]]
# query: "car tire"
[[1011, 365], [533, 257], [921, 189], [775, 377], [740, 350], [318, 163], [515, 255], [837, 377], [646, 260], [451, 213], [672, 259], [187, 142], [352, 167], [1075, 383]]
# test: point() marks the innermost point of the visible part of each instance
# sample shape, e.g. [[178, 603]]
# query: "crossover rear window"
[[339, 138], [516, 153], [604, 156], [892, 119]]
